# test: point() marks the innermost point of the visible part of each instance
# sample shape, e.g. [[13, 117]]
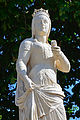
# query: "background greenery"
[[15, 26]]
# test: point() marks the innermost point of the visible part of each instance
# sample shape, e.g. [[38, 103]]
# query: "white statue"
[[38, 95]]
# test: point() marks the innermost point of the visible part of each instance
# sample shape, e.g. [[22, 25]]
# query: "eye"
[[45, 21]]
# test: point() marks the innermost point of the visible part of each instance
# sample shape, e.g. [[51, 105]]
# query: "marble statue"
[[38, 95]]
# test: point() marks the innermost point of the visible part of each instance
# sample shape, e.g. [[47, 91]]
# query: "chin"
[[43, 32]]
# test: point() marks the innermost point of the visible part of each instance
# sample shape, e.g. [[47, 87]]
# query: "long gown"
[[37, 62]]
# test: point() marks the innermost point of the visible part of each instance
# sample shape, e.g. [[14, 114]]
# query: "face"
[[41, 25]]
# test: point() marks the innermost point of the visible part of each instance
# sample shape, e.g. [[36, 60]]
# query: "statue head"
[[41, 23]]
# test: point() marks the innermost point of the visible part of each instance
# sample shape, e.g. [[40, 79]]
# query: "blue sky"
[[74, 119]]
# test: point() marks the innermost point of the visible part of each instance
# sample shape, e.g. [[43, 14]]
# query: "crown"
[[40, 12]]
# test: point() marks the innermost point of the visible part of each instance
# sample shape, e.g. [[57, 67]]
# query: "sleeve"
[[62, 63], [23, 58]]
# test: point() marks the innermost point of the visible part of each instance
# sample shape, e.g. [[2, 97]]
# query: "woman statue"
[[38, 95]]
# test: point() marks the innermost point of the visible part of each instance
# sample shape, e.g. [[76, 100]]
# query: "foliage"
[[15, 25]]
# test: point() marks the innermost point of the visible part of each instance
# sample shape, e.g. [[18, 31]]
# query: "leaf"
[[49, 39], [0, 117], [32, 0]]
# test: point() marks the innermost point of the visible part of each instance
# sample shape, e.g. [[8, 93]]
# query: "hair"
[[33, 28]]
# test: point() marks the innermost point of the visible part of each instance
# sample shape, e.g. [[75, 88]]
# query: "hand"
[[55, 49], [54, 46], [53, 43], [30, 85]]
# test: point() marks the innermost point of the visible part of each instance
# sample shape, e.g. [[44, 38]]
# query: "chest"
[[42, 50]]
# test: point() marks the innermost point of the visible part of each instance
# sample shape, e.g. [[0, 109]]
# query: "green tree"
[[15, 26]]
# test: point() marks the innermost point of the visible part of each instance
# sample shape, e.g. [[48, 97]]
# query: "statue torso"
[[43, 70], [41, 53]]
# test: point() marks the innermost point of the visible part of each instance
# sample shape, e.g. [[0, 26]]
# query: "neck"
[[41, 39]]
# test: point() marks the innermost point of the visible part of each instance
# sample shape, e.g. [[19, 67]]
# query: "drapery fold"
[[40, 102]]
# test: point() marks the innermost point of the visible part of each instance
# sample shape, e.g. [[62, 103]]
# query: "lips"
[[43, 27]]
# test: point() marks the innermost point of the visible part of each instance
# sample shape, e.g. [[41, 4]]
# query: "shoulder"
[[27, 43]]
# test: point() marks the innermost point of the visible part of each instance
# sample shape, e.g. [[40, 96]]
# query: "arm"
[[62, 63], [23, 58]]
